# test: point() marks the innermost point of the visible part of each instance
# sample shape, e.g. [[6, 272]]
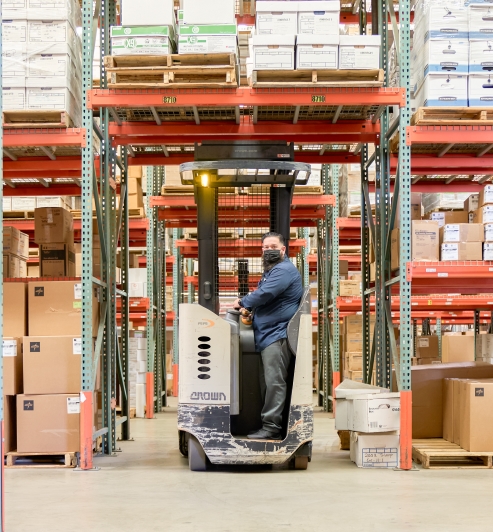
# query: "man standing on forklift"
[[274, 303]]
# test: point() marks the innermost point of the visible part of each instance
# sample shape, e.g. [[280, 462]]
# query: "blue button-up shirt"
[[275, 302]]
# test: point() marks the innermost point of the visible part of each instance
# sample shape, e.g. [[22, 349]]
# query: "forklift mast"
[[238, 164]]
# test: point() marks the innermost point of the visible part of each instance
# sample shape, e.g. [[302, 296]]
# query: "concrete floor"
[[148, 488]]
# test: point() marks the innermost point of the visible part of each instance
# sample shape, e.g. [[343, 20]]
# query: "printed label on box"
[[424, 342], [10, 348], [39, 291], [77, 346], [78, 291], [379, 457], [73, 405]]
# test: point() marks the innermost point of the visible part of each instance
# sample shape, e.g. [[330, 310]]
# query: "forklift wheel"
[[197, 460], [183, 442], [300, 462]]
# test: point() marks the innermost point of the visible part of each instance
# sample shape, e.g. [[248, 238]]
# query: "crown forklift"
[[219, 387]]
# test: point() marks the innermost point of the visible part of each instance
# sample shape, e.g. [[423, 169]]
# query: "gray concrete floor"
[[148, 488]]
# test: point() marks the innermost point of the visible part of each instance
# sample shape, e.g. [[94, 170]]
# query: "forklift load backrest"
[[294, 324]]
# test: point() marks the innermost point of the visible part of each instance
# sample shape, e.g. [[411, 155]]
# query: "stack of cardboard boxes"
[[372, 415], [15, 253], [352, 346], [137, 356], [135, 193], [43, 365], [461, 241], [456, 347], [480, 209]]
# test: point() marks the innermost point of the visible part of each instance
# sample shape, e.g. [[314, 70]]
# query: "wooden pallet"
[[317, 78], [132, 213], [16, 215], [437, 453], [29, 119], [463, 116], [174, 71], [40, 460]]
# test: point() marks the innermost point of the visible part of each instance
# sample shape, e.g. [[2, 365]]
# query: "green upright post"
[[150, 294], [336, 348]]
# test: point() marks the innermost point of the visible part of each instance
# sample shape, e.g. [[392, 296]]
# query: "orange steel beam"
[[235, 247], [462, 164], [236, 201], [191, 223], [245, 97], [449, 135], [44, 137]]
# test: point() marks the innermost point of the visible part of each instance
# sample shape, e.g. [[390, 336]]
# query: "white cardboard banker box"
[[317, 51], [376, 412], [319, 18], [273, 52], [359, 52], [277, 18], [374, 450]]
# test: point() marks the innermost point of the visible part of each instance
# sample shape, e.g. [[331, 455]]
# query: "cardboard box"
[[14, 267], [438, 89], [427, 346], [480, 57], [486, 195], [480, 24], [319, 52], [379, 450], [395, 258], [273, 52], [359, 52], [484, 346], [52, 364], [427, 361], [318, 18], [349, 288], [12, 366], [376, 413], [277, 18], [450, 217], [57, 260], [142, 40], [437, 23], [33, 270], [148, 13], [200, 12], [461, 251], [15, 242], [488, 232], [9, 424], [457, 349], [448, 409], [213, 38], [55, 308], [53, 225], [425, 240], [471, 203], [480, 90], [483, 215], [48, 423], [353, 361], [462, 232], [14, 310], [476, 416]]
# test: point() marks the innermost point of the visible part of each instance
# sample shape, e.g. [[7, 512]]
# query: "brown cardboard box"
[[9, 424], [55, 308], [462, 233], [461, 251], [356, 376], [52, 364], [48, 423], [12, 366], [416, 208], [476, 415], [32, 270], [427, 346], [135, 194], [343, 269], [13, 267], [471, 203], [450, 217], [486, 195], [14, 309], [349, 288], [57, 260], [373, 272], [135, 172], [425, 240], [15, 242], [427, 387], [483, 215], [427, 361], [457, 349], [353, 361], [53, 225], [395, 249], [456, 405]]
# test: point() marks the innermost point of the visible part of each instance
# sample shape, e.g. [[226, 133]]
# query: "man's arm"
[[277, 282]]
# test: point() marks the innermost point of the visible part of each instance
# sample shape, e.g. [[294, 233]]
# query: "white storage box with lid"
[[480, 56], [319, 52], [442, 90], [379, 450], [55, 10], [440, 21], [14, 93], [357, 52], [148, 13], [375, 412], [480, 22], [52, 37], [202, 12], [319, 18], [277, 18], [273, 52], [480, 89]]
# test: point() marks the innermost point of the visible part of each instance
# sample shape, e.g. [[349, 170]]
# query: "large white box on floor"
[[55, 10], [480, 22], [273, 52], [442, 90], [277, 18], [480, 56], [148, 13], [480, 90], [358, 52], [375, 412], [319, 52], [374, 450], [14, 94], [52, 37], [319, 18], [201, 12], [439, 21], [208, 39]]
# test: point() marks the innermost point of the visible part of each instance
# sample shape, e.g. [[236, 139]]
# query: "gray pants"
[[274, 365]]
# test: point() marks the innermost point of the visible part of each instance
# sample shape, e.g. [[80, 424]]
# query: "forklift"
[[219, 399]]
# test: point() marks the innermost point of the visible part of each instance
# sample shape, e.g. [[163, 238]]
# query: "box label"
[[77, 346], [78, 291], [379, 457], [9, 348], [34, 347], [39, 291], [424, 342], [479, 392], [28, 404], [73, 405], [77, 304]]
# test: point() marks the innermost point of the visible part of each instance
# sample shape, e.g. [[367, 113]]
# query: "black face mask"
[[271, 256]]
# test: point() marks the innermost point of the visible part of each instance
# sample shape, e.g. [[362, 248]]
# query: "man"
[[274, 303]]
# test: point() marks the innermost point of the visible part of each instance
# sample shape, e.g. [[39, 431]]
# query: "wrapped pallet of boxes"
[[137, 370], [480, 55]]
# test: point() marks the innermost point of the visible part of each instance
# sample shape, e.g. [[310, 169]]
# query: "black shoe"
[[254, 432], [263, 434]]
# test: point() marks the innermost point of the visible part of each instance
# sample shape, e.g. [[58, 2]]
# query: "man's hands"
[[236, 304]]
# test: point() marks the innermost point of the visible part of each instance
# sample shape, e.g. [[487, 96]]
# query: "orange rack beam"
[[241, 247]]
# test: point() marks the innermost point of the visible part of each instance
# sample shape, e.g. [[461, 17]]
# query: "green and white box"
[[142, 40], [207, 39]]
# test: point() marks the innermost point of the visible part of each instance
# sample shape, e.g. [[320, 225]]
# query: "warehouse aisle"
[[149, 488]]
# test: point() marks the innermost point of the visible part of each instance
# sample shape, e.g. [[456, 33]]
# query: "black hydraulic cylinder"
[[280, 212]]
